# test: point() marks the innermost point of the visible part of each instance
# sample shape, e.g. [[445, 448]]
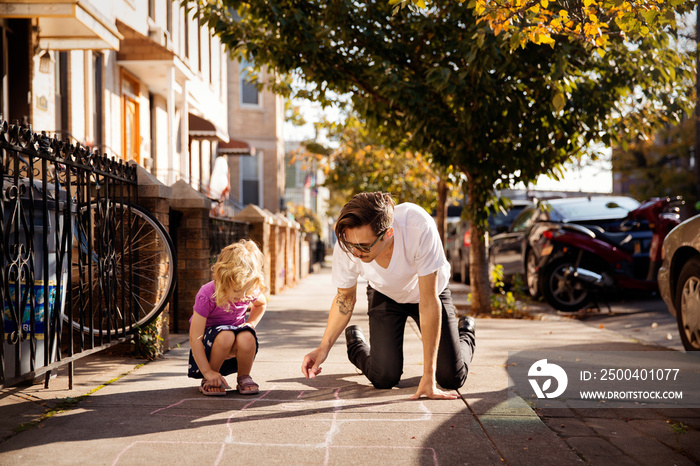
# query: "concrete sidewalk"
[[154, 414]]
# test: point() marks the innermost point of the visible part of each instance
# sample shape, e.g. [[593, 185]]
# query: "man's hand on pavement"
[[429, 389]]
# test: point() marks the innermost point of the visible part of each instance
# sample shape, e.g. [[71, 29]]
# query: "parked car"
[[518, 250], [458, 236], [679, 279]]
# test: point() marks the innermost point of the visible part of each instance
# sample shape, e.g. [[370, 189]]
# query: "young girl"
[[222, 341]]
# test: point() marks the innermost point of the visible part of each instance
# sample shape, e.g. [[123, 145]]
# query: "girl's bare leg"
[[244, 348], [221, 349]]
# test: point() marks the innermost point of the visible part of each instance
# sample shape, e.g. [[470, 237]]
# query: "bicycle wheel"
[[124, 269]]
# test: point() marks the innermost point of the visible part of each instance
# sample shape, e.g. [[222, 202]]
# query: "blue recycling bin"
[[43, 302]]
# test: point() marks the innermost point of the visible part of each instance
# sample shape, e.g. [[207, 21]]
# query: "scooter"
[[579, 262]]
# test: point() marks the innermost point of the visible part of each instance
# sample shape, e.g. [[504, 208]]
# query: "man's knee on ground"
[[385, 380], [452, 381]]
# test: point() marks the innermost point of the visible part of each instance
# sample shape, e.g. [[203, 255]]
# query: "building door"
[[131, 137], [15, 59]]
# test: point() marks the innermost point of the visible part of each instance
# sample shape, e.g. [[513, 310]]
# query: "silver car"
[[679, 279]]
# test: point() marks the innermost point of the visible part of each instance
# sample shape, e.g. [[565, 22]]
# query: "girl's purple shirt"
[[205, 305]]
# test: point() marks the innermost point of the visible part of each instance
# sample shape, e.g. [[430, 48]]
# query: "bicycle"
[[130, 275], [123, 261]]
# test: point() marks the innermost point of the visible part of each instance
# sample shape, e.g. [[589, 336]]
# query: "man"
[[398, 251]]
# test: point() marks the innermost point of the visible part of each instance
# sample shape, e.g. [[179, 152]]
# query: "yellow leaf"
[[600, 51], [544, 3], [559, 101], [546, 39]]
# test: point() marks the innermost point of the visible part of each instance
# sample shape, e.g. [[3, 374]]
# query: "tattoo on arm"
[[345, 304]]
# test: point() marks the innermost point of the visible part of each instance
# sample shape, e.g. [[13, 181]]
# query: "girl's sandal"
[[208, 390], [246, 386]]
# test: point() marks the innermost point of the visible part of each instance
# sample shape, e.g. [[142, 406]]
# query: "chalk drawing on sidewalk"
[[333, 406]]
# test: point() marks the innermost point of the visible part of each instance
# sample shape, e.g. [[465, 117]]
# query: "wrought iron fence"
[[82, 265], [224, 232]]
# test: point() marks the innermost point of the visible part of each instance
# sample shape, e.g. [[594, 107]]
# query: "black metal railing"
[[223, 232], [66, 252]]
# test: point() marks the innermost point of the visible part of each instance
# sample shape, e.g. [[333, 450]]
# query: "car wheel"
[[688, 305], [562, 292], [531, 274]]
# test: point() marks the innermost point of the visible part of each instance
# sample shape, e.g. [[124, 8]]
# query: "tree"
[[307, 219], [591, 21], [362, 163], [444, 84], [660, 166]]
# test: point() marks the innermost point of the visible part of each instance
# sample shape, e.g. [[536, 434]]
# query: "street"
[[642, 318], [126, 412], [645, 319]]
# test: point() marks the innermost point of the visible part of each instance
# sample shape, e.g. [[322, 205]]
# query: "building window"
[[199, 45], [97, 100], [249, 92], [250, 179], [211, 62], [186, 33], [169, 17], [152, 9], [131, 138], [62, 95]]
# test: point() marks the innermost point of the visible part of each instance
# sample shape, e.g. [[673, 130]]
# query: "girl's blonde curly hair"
[[239, 267]]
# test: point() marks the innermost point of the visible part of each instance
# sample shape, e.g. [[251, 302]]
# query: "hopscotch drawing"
[[333, 425]]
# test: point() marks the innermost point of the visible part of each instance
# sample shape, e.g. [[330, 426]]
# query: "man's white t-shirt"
[[418, 251]]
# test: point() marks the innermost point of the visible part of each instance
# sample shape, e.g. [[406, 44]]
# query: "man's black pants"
[[382, 360]]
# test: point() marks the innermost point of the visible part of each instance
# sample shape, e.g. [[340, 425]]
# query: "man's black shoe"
[[467, 328], [466, 324], [356, 343], [354, 337]]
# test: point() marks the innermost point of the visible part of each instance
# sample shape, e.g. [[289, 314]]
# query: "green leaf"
[[434, 81]]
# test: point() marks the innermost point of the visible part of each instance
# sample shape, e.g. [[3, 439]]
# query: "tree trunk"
[[441, 211], [478, 262], [697, 110]]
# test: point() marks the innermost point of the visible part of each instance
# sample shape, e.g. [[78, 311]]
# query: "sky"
[[594, 177]]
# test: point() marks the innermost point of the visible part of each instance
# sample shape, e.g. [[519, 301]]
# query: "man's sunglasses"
[[363, 248]]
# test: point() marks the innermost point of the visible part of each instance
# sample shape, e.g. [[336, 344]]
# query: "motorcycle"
[[578, 262]]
